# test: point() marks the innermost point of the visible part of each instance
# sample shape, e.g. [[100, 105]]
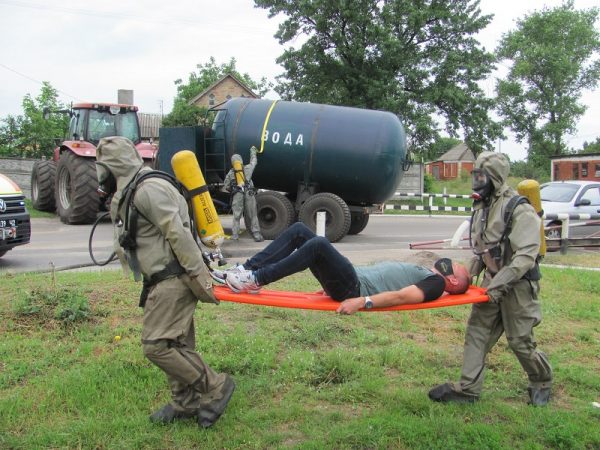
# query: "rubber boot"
[[446, 393], [167, 414], [539, 396], [209, 414]]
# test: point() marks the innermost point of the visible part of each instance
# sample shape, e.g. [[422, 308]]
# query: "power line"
[[123, 15], [36, 81]]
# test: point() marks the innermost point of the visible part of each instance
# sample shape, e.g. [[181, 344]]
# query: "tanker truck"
[[341, 160]]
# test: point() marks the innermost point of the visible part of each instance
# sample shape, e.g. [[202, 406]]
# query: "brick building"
[[451, 163], [585, 166], [222, 90]]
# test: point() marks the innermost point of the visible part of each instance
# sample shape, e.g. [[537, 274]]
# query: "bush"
[[47, 303], [428, 182]]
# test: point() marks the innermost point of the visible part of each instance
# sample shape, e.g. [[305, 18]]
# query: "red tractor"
[[68, 182]]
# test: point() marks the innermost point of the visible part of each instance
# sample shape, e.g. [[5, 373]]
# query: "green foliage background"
[[31, 135], [554, 58], [208, 73]]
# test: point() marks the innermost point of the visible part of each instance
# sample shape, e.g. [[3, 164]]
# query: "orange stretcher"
[[322, 302]]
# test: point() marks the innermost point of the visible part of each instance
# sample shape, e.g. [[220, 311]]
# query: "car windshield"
[[558, 192], [102, 124]]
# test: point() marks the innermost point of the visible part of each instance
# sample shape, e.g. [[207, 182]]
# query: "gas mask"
[[107, 184], [481, 184]]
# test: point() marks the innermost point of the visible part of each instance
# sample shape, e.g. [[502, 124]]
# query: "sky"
[[90, 50]]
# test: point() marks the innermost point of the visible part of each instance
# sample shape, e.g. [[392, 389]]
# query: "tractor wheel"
[[337, 218], [42, 185], [77, 200], [275, 213], [358, 222]]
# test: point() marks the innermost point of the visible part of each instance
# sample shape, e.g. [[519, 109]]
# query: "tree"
[[31, 135], [440, 146], [591, 147], [418, 59], [184, 114], [552, 53]]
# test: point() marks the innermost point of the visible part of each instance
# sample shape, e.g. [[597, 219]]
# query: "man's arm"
[[249, 168], [524, 239], [159, 202], [227, 181], [405, 296]]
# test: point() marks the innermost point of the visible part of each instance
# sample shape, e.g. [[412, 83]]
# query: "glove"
[[201, 286], [495, 296]]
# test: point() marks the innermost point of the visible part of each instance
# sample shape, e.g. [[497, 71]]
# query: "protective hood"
[[235, 158], [497, 167], [120, 157]]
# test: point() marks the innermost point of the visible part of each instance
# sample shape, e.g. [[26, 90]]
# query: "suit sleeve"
[[227, 181], [162, 205], [249, 168], [524, 241]]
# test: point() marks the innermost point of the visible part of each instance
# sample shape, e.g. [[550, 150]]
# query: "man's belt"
[[171, 270]]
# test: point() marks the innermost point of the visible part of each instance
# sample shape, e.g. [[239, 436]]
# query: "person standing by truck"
[[506, 242], [238, 182], [153, 233]]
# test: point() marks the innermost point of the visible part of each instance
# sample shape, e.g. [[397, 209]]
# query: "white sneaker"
[[241, 281], [220, 275]]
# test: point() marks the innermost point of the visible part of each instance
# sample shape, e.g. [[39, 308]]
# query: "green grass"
[[34, 213], [305, 379]]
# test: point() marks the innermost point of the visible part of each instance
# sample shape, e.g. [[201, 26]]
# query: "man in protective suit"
[[243, 195], [507, 252], [153, 234]]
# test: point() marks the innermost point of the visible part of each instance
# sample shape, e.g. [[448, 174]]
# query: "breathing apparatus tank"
[[238, 170], [187, 171], [531, 190]]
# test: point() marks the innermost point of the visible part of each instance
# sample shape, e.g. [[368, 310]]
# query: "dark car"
[[15, 226]]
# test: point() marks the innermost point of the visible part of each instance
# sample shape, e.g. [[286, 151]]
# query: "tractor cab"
[[92, 121]]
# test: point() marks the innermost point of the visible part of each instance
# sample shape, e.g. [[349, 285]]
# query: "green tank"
[[312, 157]]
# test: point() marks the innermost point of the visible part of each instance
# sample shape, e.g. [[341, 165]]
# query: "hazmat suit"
[[166, 254], [243, 196], [511, 276]]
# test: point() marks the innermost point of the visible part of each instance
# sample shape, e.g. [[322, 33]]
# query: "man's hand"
[[495, 296], [351, 305]]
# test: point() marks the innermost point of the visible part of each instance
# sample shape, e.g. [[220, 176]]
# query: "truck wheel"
[[42, 185], [358, 222], [337, 219], [275, 213], [77, 201]]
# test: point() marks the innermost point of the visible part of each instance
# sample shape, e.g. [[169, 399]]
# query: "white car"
[[569, 197]]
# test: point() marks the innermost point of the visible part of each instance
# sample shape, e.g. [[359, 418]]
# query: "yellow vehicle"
[[15, 227]]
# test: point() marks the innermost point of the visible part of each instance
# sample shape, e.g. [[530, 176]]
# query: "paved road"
[[385, 237], [66, 246]]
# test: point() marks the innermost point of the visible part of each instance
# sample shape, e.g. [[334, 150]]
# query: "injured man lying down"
[[380, 285]]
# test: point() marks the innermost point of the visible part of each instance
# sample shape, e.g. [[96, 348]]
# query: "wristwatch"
[[368, 302]]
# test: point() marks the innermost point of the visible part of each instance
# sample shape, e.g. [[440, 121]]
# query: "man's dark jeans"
[[297, 249]]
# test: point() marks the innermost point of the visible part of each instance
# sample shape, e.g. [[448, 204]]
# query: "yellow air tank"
[[187, 171], [238, 169], [531, 190]]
